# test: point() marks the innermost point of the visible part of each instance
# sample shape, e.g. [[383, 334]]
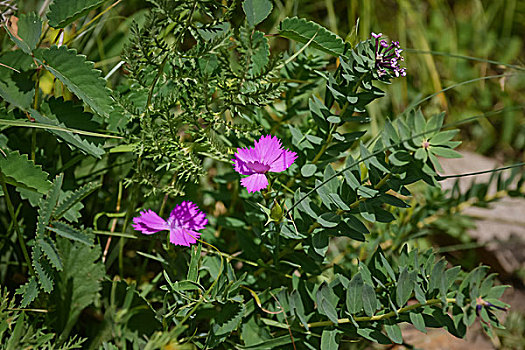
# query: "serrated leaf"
[[260, 53], [63, 12], [67, 231], [47, 205], [27, 32], [301, 30], [78, 284], [228, 319], [29, 292], [79, 76], [354, 294], [256, 10], [19, 171], [74, 198], [50, 251], [41, 270]]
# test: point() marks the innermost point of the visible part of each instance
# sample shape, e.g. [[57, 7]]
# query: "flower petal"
[[268, 149], [283, 162], [149, 222], [183, 236], [255, 182], [242, 157], [241, 167], [187, 215]]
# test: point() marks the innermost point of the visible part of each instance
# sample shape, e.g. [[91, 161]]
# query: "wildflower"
[[184, 222], [388, 57], [267, 155]]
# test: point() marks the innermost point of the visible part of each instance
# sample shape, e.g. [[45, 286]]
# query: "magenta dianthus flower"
[[267, 155], [184, 222]]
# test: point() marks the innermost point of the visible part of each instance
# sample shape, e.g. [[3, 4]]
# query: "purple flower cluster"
[[388, 57]]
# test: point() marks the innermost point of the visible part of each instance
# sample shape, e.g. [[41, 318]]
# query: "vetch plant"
[[318, 245]]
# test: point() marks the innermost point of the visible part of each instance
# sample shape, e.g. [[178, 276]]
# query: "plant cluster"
[[307, 239]]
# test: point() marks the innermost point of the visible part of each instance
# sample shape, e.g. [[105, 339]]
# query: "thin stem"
[[383, 316], [517, 165], [14, 219], [114, 223]]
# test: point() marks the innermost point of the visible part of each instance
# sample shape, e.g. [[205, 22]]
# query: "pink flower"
[[267, 155], [184, 221]]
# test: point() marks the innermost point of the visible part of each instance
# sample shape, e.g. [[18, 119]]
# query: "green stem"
[[14, 219], [383, 316]]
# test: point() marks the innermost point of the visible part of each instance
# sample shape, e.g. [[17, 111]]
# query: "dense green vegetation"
[[113, 113]]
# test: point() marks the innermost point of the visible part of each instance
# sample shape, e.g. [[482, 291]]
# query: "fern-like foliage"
[[47, 258], [187, 92]]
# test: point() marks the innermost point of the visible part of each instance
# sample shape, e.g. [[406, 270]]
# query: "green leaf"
[[405, 286], [329, 340], [274, 343], [418, 321], [67, 231], [28, 33], [369, 299], [329, 219], [301, 30], [260, 53], [354, 294], [297, 307], [49, 249], [78, 284], [73, 198], [327, 302], [444, 152], [256, 10], [12, 88], [47, 205], [74, 140], [63, 12], [79, 76], [193, 269], [394, 332], [308, 170], [443, 137], [19, 171], [228, 319], [437, 276], [42, 270], [29, 292]]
